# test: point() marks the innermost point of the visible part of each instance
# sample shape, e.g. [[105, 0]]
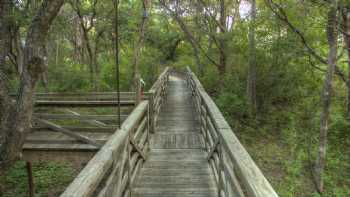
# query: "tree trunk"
[[17, 124], [192, 41], [137, 50], [326, 97], [252, 70], [222, 40], [86, 40], [346, 34], [5, 42]]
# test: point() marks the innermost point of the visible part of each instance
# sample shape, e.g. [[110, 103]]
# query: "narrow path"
[[177, 165]]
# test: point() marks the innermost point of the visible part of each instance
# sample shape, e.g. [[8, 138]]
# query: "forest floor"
[[50, 179], [290, 172]]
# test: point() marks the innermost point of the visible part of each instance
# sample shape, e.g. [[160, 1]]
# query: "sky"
[[244, 9]]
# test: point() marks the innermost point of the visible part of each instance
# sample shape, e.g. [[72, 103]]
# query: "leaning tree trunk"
[[18, 122], [252, 72], [326, 98]]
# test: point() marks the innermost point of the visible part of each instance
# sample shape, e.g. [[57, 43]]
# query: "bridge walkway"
[[177, 165]]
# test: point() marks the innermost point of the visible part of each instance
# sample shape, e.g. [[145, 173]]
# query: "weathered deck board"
[[177, 165]]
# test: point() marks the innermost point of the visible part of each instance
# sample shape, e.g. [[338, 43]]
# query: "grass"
[[50, 179]]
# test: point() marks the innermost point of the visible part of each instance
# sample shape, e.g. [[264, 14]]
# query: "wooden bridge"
[[175, 143]]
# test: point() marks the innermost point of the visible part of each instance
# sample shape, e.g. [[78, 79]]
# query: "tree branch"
[[281, 14]]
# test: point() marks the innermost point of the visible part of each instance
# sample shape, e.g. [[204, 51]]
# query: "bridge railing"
[[112, 171], [236, 173], [157, 95]]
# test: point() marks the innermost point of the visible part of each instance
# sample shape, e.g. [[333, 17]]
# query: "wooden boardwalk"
[[175, 144], [177, 165]]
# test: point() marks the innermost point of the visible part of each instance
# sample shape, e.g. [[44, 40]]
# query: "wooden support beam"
[[93, 122], [106, 129], [70, 133], [60, 103], [31, 190], [212, 151], [138, 149], [91, 119]]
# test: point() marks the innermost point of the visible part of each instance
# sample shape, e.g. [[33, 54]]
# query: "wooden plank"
[[84, 95], [138, 149], [50, 147], [60, 103], [58, 128], [93, 122], [233, 181], [86, 118], [140, 129], [213, 149], [105, 129]]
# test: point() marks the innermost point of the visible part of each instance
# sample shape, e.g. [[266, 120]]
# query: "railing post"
[[120, 172], [137, 89], [148, 128], [129, 186], [204, 124], [151, 111], [30, 179], [222, 177]]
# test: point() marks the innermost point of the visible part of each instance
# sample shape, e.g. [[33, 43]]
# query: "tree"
[[91, 42], [175, 14], [252, 70], [222, 41], [331, 62], [16, 124], [345, 28], [326, 94], [137, 49]]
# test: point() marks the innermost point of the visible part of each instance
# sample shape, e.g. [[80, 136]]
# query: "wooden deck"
[[177, 164], [79, 115]]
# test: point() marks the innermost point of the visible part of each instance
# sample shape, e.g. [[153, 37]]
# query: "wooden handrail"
[[156, 96], [84, 97], [159, 81], [108, 170], [112, 171], [235, 171]]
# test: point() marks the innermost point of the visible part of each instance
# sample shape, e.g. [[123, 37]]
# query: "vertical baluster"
[[151, 112], [205, 124], [120, 172], [148, 130], [219, 170], [129, 149], [222, 174]]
